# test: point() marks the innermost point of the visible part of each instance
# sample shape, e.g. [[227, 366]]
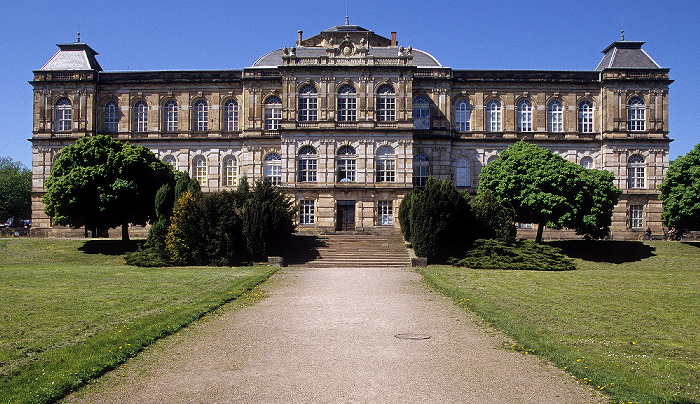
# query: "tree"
[[99, 182], [15, 189], [680, 192], [494, 220], [542, 187], [268, 220]]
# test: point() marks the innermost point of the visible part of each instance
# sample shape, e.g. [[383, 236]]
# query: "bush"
[[494, 220], [268, 220], [519, 255], [405, 216]]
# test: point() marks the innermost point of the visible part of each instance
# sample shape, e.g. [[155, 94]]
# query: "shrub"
[[494, 220], [405, 216], [521, 254], [268, 220]]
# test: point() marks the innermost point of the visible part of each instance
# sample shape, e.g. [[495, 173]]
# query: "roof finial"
[[622, 31], [347, 19], [78, 37]]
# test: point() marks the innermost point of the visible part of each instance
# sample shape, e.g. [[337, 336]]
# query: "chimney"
[[299, 41], [393, 39]]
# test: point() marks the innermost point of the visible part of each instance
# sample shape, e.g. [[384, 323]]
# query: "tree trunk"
[[540, 230], [125, 233]]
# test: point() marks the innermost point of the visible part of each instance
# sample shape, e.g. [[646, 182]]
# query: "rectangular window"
[[636, 216], [385, 170], [274, 173], [636, 177], [307, 170], [385, 213], [346, 170], [306, 212]]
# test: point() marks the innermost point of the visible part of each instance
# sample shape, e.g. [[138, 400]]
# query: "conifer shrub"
[[514, 255], [405, 216], [493, 219], [268, 220]]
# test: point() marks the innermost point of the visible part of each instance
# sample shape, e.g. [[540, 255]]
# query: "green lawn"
[[71, 310], [627, 321]]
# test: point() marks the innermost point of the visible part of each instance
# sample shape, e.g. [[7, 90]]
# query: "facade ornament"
[[401, 50], [410, 49], [285, 51], [294, 51]]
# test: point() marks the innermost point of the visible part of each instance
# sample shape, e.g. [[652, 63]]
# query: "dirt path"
[[329, 336]]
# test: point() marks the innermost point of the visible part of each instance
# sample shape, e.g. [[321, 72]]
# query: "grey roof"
[[274, 58], [73, 56], [626, 55]]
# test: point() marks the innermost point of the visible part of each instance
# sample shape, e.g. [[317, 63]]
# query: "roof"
[[626, 55], [73, 56], [274, 58]]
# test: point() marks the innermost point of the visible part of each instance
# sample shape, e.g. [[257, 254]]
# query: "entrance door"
[[346, 216]]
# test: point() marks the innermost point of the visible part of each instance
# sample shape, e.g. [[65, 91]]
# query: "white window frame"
[[272, 168], [347, 164], [63, 115], [636, 216], [199, 170], [463, 172], [421, 170], [636, 115], [524, 116], [636, 172], [555, 116], [170, 116], [111, 117], [307, 211], [585, 117], [385, 164], [201, 116], [587, 162], [421, 113], [231, 116], [141, 116], [346, 104], [169, 159], [273, 112], [385, 213], [308, 104], [307, 164], [230, 171], [463, 114], [494, 116], [386, 103]]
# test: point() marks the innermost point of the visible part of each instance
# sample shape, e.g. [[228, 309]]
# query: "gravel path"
[[329, 336]]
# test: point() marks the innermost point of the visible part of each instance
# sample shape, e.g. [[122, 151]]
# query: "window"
[[111, 116], [524, 116], [386, 165], [199, 170], [229, 172], [170, 116], [273, 112], [421, 113], [306, 168], [493, 116], [308, 103], [636, 216], [463, 173], [140, 116], [201, 116], [587, 162], [585, 117], [421, 170], [170, 160], [463, 114], [555, 116], [306, 212], [385, 213], [231, 116], [386, 103], [635, 171], [491, 159], [636, 114], [63, 115], [272, 168], [347, 164], [347, 104]]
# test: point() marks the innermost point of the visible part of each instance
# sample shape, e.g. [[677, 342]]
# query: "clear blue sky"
[[217, 34]]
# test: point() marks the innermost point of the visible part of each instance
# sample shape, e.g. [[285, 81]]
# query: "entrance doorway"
[[346, 216]]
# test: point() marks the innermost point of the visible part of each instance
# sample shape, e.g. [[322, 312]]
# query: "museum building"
[[348, 122]]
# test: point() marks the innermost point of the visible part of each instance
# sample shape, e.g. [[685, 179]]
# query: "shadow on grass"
[[110, 247], [614, 252], [692, 243]]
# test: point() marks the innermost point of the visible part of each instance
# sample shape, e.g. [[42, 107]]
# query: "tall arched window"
[[636, 114], [229, 171], [201, 116], [463, 173], [585, 117], [385, 165], [199, 170], [111, 116], [421, 113], [463, 114], [347, 104], [555, 116], [170, 116], [493, 116], [231, 116], [587, 162], [524, 116], [421, 169], [307, 164], [170, 160], [62, 115], [636, 172], [308, 103], [347, 164], [272, 168], [140, 116], [386, 103], [273, 112]]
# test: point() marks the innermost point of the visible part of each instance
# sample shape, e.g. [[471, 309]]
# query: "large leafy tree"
[[99, 182], [680, 192], [15, 188], [542, 187]]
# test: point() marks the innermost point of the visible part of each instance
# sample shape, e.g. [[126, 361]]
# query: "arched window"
[[463, 115], [585, 117], [272, 168], [386, 103], [421, 113], [199, 170], [385, 164], [555, 116], [273, 112], [308, 103], [170, 160], [347, 104], [229, 172], [231, 116], [170, 116], [524, 116], [111, 116], [493, 116], [62, 115], [636, 114], [491, 159], [636, 172], [421, 170], [140, 116], [347, 164], [463, 173], [587, 162], [201, 116], [306, 168]]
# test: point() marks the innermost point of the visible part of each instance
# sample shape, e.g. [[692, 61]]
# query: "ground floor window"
[[385, 213], [306, 212], [636, 216]]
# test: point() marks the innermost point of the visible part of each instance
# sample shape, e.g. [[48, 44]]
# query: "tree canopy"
[[680, 192], [15, 189]]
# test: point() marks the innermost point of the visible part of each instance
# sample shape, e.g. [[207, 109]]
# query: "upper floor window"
[[587, 162], [421, 170], [347, 104], [385, 165], [307, 164], [273, 112], [555, 116], [201, 116], [62, 115], [347, 164], [170, 160], [386, 103], [421, 113], [524, 116], [585, 117], [199, 170], [494, 115], [463, 173], [272, 168], [170, 116], [308, 103], [111, 116], [463, 114], [140, 116], [231, 116], [636, 172], [229, 171], [636, 114]]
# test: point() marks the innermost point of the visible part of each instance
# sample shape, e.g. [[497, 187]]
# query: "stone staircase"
[[349, 249]]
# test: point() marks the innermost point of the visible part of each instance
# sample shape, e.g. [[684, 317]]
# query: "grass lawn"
[[627, 321], [71, 310]]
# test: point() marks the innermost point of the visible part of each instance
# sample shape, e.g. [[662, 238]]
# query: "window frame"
[[272, 167], [346, 164], [231, 115], [555, 116], [307, 211], [346, 104], [307, 110], [636, 172], [200, 115], [524, 116], [229, 171], [385, 213], [636, 114], [421, 170], [585, 116], [386, 103], [63, 115], [636, 216], [170, 115], [385, 165], [111, 117], [307, 164], [199, 171], [587, 162], [141, 116], [170, 159], [420, 112], [272, 112], [463, 172], [494, 116], [463, 115]]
